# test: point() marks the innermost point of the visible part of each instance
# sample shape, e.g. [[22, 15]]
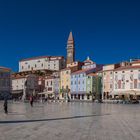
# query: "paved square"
[[70, 121]]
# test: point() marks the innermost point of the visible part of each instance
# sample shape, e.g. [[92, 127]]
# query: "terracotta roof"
[[127, 67], [5, 68], [135, 62], [92, 74], [17, 77], [88, 61], [86, 70], [40, 57]]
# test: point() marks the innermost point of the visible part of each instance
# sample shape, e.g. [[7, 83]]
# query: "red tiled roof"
[[82, 71], [5, 68], [86, 70], [127, 67], [92, 74], [40, 57], [89, 61], [134, 62]]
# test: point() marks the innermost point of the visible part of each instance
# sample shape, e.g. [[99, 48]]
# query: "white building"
[[89, 64], [127, 81], [52, 86], [18, 83], [5, 81], [42, 63], [24, 84]]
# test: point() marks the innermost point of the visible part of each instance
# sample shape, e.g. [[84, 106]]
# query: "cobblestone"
[[70, 121]]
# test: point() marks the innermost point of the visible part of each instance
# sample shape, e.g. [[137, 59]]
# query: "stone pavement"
[[70, 121]]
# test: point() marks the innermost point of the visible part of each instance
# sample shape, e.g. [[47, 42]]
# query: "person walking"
[[5, 106], [31, 101]]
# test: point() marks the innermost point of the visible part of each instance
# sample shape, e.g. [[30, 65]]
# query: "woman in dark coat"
[[5, 106]]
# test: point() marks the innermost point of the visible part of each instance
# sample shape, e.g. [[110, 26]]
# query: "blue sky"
[[106, 30]]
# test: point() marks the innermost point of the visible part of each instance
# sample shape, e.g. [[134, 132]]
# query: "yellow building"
[[65, 82]]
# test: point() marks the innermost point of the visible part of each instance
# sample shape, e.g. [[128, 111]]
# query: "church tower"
[[70, 49]]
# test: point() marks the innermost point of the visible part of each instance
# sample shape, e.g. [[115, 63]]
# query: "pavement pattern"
[[70, 121]]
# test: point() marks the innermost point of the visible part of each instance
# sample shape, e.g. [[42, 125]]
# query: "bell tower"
[[70, 49]]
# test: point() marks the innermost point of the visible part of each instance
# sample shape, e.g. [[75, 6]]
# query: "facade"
[[79, 84], [89, 64], [27, 83], [70, 49], [5, 82], [52, 86], [127, 81], [108, 80], [54, 63], [65, 76], [65, 82], [75, 66], [18, 85], [91, 85]]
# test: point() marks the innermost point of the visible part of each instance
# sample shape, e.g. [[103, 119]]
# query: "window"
[[123, 85], [131, 77], [42, 65], [139, 76], [116, 77], [67, 72], [119, 84], [79, 82], [28, 66], [131, 85], [22, 67], [83, 82], [123, 77], [35, 65], [116, 86], [139, 85], [135, 83], [123, 71], [71, 82]]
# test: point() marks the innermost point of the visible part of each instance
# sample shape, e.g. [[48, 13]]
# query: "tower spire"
[[70, 38], [70, 49]]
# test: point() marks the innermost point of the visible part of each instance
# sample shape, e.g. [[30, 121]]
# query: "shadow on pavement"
[[53, 119]]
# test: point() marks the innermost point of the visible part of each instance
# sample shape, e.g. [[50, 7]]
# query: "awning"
[[42, 93], [17, 91], [128, 92]]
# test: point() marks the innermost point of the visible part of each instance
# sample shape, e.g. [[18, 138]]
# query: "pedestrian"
[[5, 106], [31, 101]]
